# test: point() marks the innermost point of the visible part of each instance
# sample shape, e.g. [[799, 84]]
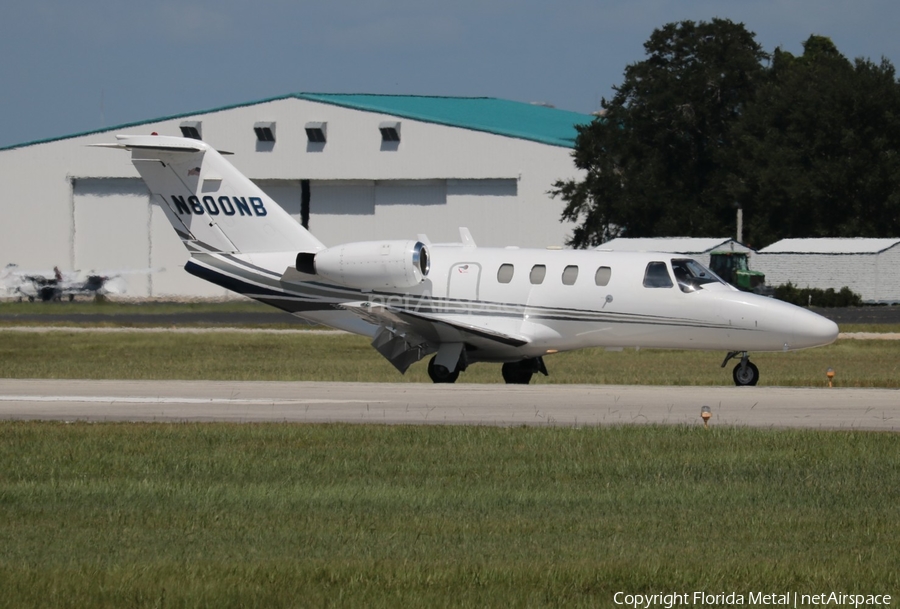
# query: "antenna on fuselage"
[[466, 237]]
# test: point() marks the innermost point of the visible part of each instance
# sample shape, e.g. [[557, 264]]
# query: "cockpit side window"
[[691, 275], [657, 276]]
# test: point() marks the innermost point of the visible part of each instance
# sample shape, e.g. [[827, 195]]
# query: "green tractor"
[[733, 268]]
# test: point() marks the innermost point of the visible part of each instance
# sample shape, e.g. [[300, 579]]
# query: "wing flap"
[[404, 337], [431, 327]]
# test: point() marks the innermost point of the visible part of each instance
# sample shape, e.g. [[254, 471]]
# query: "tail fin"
[[212, 206], [7, 271]]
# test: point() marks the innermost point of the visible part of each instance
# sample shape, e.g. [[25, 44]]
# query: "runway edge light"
[[706, 415]]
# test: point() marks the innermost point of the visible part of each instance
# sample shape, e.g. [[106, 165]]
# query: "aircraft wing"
[[31, 275], [405, 336], [120, 272]]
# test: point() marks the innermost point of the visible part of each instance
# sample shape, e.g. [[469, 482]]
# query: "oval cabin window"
[[601, 277], [570, 274]]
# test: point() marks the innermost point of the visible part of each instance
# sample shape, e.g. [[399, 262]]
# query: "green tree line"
[[708, 122]]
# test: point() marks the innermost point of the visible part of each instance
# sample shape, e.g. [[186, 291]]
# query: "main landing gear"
[[520, 372], [514, 373], [746, 373], [441, 374]]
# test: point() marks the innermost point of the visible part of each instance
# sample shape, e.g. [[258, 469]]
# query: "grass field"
[[292, 357], [224, 515], [219, 515], [108, 307]]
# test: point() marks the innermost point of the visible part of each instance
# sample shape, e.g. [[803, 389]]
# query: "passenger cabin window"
[[538, 272], [657, 276], [505, 274], [601, 277], [570, 274], [691, 275]]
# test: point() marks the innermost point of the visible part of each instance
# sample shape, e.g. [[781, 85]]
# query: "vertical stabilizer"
[[212, 206]]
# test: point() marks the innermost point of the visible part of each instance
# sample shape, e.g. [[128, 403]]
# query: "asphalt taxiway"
[[407, 403]]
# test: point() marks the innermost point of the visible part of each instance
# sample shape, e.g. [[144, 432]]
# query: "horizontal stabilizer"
[[158, 142]]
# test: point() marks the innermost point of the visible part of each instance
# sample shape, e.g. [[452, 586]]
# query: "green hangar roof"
[[498, 116]]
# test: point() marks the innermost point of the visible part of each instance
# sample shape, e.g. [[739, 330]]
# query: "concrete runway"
[[404, 403]]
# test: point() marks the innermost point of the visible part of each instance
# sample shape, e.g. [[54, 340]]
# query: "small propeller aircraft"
[[462, 303], [55, 285]]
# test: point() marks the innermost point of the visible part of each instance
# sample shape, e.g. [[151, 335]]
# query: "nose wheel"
[[745, 374]]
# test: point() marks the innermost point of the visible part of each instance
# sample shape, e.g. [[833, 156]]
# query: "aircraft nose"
[[812, 330]]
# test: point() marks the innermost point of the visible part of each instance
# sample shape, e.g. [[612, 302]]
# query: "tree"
[[816, 154], [654, 161]]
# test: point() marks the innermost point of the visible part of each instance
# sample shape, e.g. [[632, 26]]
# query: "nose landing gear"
[[745, 374]]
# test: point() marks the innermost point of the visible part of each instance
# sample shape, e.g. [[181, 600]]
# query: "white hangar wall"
[[78, 207], [360, 210], [869, 267]]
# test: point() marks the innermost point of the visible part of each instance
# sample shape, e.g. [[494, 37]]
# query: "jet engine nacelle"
[[369, 265]]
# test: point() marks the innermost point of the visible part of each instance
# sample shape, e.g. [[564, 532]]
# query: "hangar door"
[[112, 218], [359, 210], [116, 228]]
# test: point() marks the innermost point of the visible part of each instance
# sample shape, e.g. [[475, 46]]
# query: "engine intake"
[[369, 265]]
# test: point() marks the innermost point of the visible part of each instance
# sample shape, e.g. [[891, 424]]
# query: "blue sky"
[[70, 66]]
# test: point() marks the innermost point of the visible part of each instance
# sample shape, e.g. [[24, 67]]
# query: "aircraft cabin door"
[[464, 280]]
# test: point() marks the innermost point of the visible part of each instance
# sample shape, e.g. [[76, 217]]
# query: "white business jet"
[[462, 303]]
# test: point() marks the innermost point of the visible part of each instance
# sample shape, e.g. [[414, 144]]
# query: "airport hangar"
[[869, 267], [354, 166], [699, 248]]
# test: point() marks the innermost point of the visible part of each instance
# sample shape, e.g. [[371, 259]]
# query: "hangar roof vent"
[[265, 131], [191, 129], [316, 133], [390, 131]]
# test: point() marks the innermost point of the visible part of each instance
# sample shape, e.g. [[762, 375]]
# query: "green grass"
[[291, 357], [131, 308], [877, 328], [109, 307], [218, 515]]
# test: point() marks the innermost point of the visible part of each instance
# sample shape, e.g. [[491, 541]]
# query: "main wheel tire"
[[515, 373], [745, 376], [440, 374]]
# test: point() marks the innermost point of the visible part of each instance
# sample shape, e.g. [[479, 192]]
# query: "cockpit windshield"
[[691, 275]]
